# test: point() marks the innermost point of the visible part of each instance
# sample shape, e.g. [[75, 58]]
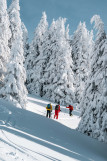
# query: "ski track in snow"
[[27, 135]]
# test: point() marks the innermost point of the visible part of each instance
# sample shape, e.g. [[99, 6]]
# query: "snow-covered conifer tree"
[[58, 75], [14, 88], [4, 38], [82, 45], [94, 103], [25, 39], [36, 59]]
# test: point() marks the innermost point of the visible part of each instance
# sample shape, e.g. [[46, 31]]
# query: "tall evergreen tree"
[[5, 35], [25, 39], [14, 88], [58, 75], [82, 45], [36, 59], [94, 103]]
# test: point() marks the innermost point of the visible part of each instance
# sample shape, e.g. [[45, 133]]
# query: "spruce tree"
[[82, 45], [5, 35], [14, 88], [94, 112], [36, 59], [58, 75], [25, 39]]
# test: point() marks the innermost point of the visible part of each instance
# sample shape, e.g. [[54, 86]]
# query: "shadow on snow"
[[50, 134]]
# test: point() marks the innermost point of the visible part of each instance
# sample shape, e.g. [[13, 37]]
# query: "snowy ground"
[[27, 135]]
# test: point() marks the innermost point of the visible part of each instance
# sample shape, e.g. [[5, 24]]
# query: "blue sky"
[[74, 10]]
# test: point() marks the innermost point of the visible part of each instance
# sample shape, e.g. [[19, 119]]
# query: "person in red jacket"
[[57, 110], [70, 109]]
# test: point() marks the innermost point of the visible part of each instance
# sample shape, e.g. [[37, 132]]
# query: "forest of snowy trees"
[[60, 67]]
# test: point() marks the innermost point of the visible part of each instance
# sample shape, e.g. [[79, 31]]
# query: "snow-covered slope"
[[28, 135]]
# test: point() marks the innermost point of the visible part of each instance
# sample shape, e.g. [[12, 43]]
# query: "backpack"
[[56, 107], [48, 106], [71, 107]]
